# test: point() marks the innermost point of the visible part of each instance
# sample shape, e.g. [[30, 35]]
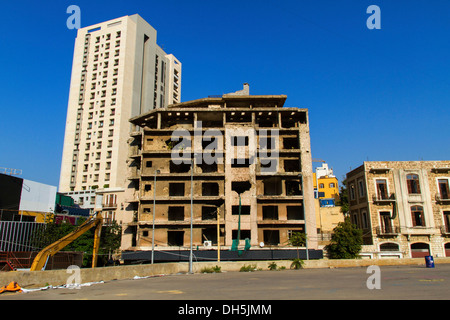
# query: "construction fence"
[[19, 235], [18, 250]]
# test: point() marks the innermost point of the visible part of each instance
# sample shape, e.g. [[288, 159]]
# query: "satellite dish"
[[261, 244]]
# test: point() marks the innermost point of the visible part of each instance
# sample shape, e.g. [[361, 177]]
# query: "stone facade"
[[276, 196], [403, 207]]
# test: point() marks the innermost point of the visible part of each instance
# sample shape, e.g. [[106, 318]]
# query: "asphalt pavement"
[[388, 282]]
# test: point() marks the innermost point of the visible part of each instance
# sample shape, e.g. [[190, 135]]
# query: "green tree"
[[297, 239], [343, 198], [346, 241]]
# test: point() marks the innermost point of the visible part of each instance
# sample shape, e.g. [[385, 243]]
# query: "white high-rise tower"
[[118, 72]]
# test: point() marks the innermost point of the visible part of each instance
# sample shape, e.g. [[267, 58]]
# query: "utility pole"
[[218, 234], [304, 213], [192, 212], [154, 212]]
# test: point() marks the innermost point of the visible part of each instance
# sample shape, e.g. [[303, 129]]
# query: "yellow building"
[[328, 187], [327, 218]]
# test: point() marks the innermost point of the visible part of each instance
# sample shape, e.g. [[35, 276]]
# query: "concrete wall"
[[59, 277]]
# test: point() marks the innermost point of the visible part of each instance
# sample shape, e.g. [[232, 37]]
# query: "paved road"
[[399, 282]]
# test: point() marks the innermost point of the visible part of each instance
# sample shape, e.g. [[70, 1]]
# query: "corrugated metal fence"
[[19, 236]]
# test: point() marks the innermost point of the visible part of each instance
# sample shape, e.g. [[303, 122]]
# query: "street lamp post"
[[192, 213], [154, 212], [218, 234]]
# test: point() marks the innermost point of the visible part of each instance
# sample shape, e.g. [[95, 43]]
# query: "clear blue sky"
[[371, 94]]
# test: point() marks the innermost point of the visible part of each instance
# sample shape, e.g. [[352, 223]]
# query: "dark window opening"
[[389, 247], [240, 186], [210, 234], [443, 188], [418, 219], [209, 213], [266, 123], [385, 219], [245, 234], [239, 117], [240, 163], [447, 221], [272, 187], [245, 210], [176, 214], [290, 143], [412, 181], [208, 168], [272, 237], [210, 189], [295, 213], [291, 165], [176, 189], [270, 213], [382, 189], [293, 188], [175, 238], [179, 168]]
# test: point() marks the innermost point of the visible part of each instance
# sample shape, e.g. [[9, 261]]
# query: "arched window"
[[412, 181], [447, 249], [417, 215], [420, 250], [389, 246]]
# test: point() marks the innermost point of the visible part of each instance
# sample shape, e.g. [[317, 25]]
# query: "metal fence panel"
[[19, 236]]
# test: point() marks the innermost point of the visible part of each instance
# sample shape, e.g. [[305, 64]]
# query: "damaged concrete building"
[[240, 164]]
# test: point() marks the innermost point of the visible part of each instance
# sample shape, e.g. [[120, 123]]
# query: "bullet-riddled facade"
[[247, 160]]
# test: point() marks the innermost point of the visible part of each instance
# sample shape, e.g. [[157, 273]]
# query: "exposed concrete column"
[[158, 121], [308, 186]]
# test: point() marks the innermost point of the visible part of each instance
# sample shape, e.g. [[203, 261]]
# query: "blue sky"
[[371, 94]]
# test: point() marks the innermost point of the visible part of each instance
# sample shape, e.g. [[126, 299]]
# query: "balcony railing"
[[442, 198], [383, 198], [445, 230], [109, 205], [388, 231]]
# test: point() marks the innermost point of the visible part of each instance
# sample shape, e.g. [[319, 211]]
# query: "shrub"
[[273, 266], [215, 269], [297, 264], [248, 268]]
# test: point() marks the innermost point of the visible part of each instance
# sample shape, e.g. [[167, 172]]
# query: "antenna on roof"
[[10, 171]]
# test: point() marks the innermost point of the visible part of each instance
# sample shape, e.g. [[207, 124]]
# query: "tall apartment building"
[[403, 207], [118, 73], [248, 162]]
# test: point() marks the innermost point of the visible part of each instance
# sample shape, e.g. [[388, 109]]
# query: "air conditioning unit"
[[207, 243]]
